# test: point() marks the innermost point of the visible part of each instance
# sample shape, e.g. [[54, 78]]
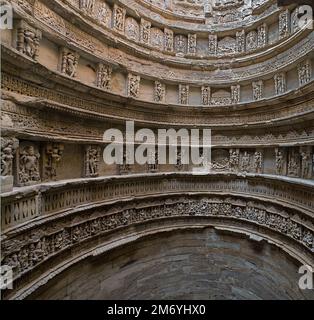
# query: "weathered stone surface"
[[73, 69]]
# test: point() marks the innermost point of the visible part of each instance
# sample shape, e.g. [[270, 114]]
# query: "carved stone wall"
[[73, 69]]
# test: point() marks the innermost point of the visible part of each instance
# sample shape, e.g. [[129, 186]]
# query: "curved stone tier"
[[44, 224]]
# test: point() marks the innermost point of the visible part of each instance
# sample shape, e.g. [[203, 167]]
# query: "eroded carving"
[[92, 159]]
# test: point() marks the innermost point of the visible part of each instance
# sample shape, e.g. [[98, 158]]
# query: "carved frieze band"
[[31, 248]]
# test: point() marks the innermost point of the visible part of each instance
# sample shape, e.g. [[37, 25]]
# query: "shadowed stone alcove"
[[189, 264]]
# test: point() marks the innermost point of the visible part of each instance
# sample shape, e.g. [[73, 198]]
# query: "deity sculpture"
[[305, 164], [119, 18], [159, 91], [234, 160], [206, 95], [53, 156], [258, 161], [92, 161], [279, 162], [7, 155], [104, 76], [280, 83], [168, 40], [69, 62], [29, 165], [133, 85], [245, 162], [258, 88], [183, 94], [28, 39]]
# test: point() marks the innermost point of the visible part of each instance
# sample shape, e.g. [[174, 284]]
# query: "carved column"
[[27, 40], [280, 83], [168, 38], [240, 41], [305, 72], [8, 151], [119, 18], [192, 43], [145, 31], [262, 35], [206, 95], [212, 45], [235, 93], [284, 24]]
